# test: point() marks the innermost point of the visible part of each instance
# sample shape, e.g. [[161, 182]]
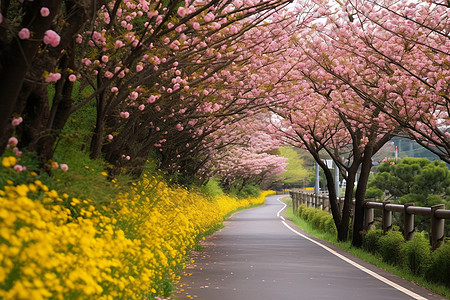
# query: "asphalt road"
[[258, 256]]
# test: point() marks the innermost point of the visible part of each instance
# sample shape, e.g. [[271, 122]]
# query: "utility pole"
[[316, 184]]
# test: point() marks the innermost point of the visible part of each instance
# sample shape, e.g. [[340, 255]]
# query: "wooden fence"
[[437, 213]]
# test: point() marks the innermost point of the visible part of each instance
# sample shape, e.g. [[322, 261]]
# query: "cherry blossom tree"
[[250, 159], [35, 45], [130, 53], [326, 115], [407, 42], [393, 57]]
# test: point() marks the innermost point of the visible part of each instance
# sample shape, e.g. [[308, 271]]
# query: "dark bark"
[[371, 148], [360, 197], [99, 130], [16, 58]]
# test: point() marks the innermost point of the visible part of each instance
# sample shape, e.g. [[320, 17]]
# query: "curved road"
[[261, 256]]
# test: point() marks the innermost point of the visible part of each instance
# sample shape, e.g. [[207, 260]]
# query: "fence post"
[[368, 217], [408, 223], [326, 205], [387, 218], [322, 200], [292, 197], [437, 227]]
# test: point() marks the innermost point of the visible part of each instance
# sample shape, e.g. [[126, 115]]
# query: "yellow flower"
[[22, 190], [9, 161]]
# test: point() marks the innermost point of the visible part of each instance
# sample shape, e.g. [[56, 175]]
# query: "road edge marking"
[[351, 262]]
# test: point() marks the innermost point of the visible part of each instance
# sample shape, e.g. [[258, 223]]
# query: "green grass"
[[368, 257]]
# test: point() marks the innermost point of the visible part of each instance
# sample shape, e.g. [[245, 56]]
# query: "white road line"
[[364, 269], [278, 213]]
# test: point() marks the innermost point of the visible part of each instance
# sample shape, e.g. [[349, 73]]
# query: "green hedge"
[[319, 219], [415, 255], [389, 246], [439, 268]]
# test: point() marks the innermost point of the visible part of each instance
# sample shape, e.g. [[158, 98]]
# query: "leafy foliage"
[[439, 269], [370, 242], [296, 173], [416, 254], [413, 180], [320, 219], [389, 246]]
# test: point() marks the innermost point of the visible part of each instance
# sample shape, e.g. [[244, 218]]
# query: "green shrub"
[[370, 241], [212, 188], [389, 246], [306, 213], [416, 254], [317, 218], [301, 208], [249, 191], [330, 226], [309, 214], [323, 222], [439, 267]]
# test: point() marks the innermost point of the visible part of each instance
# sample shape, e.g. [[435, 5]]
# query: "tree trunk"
[[340, 217], [16, 59], [99, 130], [358, 224]]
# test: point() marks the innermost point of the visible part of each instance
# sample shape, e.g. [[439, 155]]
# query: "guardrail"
[[437, 213], [312, 200]]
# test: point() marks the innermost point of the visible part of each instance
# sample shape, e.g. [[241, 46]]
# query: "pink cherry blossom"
[[24, 34], [110, 137], [45, 12], [64, 167], [124, 114], [51, 38], [72, 77], [53, 77], [181, 11], [13, 141], [109, 74], [209, 17], [17, 151], [18, 168], [16, 121]]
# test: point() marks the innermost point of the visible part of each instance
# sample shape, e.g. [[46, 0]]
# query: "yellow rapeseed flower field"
[[130, 249]]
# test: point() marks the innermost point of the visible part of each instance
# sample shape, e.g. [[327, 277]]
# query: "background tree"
[[297, 173], [409, 42], [413, 180], [125, 56]]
